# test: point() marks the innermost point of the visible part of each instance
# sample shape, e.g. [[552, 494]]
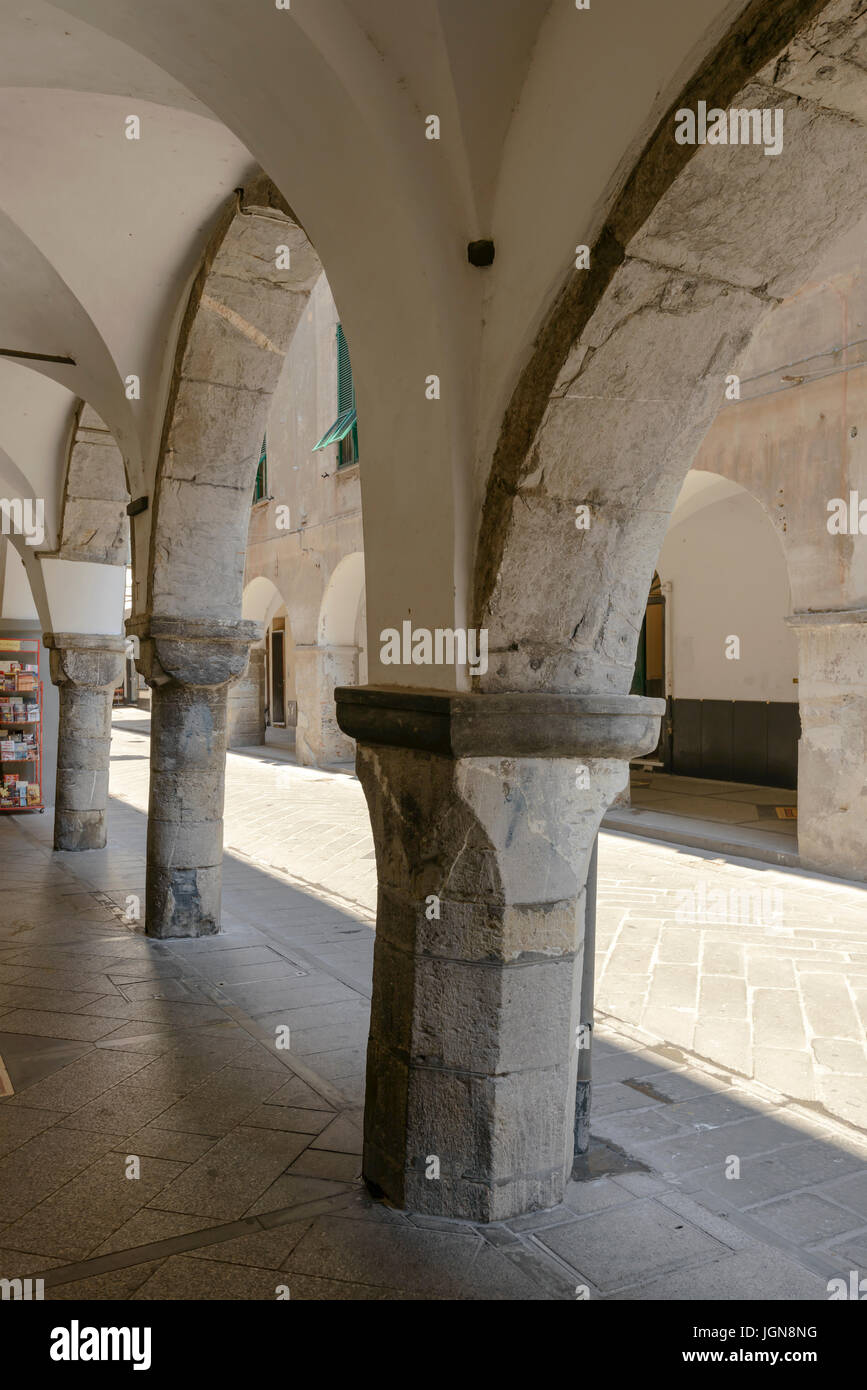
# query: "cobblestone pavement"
[[249, 1156]]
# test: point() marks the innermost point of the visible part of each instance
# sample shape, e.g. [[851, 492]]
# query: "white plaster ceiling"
[[35, 420], [16, 600], [43, 48], [544, 109], [100, 237], [701, 490]]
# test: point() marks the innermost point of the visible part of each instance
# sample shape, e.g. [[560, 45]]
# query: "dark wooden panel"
[[784, 730], [749, 741], [716, 739], [736, 740], [686, 737]]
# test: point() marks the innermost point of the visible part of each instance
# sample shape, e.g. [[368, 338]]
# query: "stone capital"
[[513, 725], [201, 653], [85, 659]]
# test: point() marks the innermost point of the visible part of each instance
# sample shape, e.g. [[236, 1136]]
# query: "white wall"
[[728, 575], [17, 599], [84, 596]]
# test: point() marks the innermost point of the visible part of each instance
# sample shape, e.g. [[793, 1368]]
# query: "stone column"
[[318, 673], [484, 811], [246, 705], [86, 669], [832, 752], [189, 665]]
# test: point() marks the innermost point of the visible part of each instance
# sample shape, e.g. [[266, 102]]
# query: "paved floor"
[[247, 1175], [760, 970], [733, 817]]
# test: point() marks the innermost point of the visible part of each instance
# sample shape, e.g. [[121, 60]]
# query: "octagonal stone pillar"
[[484, 811], [189, 665], [86, 669]]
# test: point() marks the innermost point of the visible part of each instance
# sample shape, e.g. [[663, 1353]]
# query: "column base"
[[79, 830], [183, 902]]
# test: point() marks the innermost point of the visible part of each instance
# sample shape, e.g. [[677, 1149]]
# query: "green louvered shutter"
[[345, 390], [260, 486], [345, 394], [344, 431]]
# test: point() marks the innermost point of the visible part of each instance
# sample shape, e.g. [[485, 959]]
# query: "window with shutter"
[[344, 431], [260, 487]]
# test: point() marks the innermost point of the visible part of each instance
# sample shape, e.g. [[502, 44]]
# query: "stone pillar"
[[484, 811], [318, 673], [246, 705], [832, 752], [189, 666], [86, 669]]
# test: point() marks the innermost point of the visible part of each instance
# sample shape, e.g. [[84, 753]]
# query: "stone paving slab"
[[250, 1158], [759, 969]]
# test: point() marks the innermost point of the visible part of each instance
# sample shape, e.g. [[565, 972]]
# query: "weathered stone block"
[[489, 1018], [80, 789], [184, 902], [184, 844], [195, 793], [79, 830]]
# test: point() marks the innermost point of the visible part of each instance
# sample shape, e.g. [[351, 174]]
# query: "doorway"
[[278, 669], [649, 675]]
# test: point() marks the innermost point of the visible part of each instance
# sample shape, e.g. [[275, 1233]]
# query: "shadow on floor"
[[249, 1157]]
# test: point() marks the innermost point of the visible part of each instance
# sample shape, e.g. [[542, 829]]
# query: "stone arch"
[[788, 439], [332, 662], [251, 696], [703, 487], [733, 712], [94, 525], [338, 611], [261, 597], [631, 365], [242, 312]]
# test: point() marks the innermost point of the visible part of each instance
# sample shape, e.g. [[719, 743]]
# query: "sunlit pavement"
[[719, 1186], [762, 971]]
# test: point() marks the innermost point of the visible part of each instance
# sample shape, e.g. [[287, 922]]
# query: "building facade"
[[304, 573]]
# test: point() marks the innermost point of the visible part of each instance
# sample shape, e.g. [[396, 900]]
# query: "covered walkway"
[[119, 1047], [731, 817]]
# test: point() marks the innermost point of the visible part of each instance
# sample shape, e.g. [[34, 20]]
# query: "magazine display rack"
[[20, 726]]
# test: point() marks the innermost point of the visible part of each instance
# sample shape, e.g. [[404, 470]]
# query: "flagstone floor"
[[158, 1145]]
